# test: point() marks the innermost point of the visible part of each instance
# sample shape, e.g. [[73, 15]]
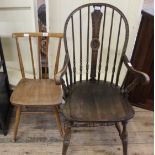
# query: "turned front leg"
[[67, 138], [124, 138]]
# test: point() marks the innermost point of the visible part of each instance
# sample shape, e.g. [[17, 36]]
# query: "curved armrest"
[[144, 78], [59, 75], [141, 77]]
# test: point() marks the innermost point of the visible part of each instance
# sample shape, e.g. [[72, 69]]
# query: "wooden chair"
[[91, 77], [40, 90]]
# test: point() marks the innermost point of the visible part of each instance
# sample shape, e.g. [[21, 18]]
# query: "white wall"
[[20, 16], [15, 16], [57, 12]]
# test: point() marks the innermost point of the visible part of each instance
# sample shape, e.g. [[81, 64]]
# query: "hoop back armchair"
[[96, 37]]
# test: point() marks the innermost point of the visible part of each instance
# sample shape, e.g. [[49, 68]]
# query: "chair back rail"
[[95, 36], [39, 36]]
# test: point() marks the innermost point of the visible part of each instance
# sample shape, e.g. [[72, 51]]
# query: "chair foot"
[[18, 113], [67, 138], [124, 138], [56, 113]]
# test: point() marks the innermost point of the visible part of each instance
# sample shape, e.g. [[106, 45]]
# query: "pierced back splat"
[[95, 43]]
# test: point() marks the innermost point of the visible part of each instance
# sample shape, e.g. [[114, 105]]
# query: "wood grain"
[[38, 135], [36, 92], [100, 102]]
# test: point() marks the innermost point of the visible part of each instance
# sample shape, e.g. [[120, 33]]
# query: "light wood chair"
[[40, 90], [95, 38]]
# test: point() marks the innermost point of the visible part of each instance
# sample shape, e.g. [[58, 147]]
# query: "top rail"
[[38, 34]]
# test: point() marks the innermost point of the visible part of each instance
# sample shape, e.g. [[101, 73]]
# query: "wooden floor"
[[38, 135]]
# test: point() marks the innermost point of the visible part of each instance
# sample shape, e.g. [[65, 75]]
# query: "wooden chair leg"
[[67, 138], [124, 138], [18, 113], [56, 113], [117, 125]]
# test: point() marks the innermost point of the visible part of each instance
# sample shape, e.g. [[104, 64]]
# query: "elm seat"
[[40, 92], [101, 99]]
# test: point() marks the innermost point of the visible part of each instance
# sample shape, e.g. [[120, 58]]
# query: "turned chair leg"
[[124, 138], [56, 113], [118, 129], [123, 135], [18, 113], [67, 138]]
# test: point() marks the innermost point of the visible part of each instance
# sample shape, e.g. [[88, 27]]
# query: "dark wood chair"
[[40, 89], [96, 37]]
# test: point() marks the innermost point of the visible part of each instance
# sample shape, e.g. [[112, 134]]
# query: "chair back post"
[[46, 59], [32, 57], [39, 56], [57, 57], [20, 58]]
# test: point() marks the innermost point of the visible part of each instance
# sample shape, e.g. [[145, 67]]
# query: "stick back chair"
[[40, 90], [96, 37]]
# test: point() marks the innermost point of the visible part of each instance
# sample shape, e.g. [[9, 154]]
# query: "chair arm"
[[141, 77], [59, 75]]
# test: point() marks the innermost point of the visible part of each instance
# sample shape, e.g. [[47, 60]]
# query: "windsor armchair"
[[95, 38], [40, 89]]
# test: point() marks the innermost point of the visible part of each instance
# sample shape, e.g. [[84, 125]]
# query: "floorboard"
[[38, 135]]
